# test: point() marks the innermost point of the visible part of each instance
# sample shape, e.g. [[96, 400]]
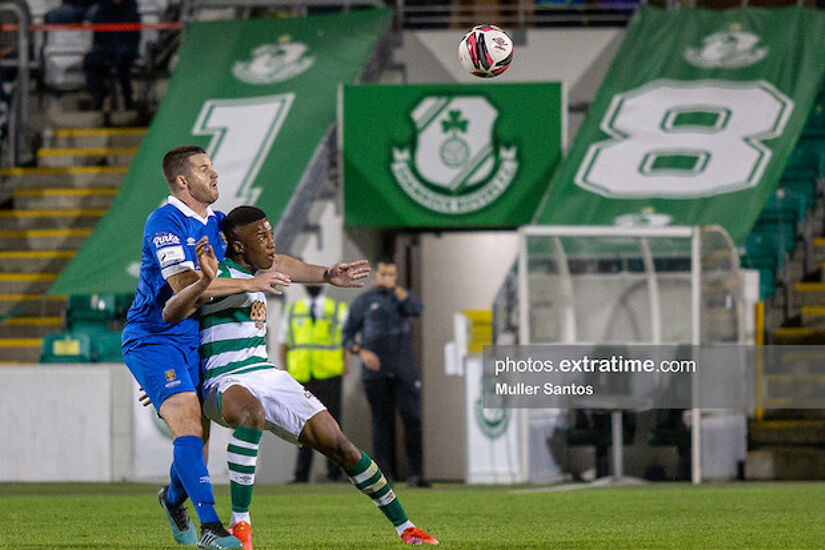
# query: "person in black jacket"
[[112, 50], [381, 316]]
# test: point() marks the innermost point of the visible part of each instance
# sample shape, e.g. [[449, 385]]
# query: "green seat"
[[783, 207], [779, 236], [804, 188], [815, 125], [122, 303], [804, 161], [767, 273], [91, 313], [65, 347], [106, 347]]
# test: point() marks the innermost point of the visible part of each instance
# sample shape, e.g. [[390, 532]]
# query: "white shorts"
[[287, 405]]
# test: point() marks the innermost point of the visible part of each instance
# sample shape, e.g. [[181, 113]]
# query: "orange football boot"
[[243, 532], [415, 535]]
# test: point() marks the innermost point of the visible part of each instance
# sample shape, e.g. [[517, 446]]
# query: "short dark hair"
[[176, 161], [386, 260], [238, 217]]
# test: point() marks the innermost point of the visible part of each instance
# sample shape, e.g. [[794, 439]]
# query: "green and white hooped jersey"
[[233, 330]]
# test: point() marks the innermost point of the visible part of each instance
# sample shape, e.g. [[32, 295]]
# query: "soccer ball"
[[486, 51]]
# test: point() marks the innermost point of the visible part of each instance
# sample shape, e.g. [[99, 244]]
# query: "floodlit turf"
[[739, 515]]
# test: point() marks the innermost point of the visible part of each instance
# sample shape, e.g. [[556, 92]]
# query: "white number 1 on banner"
[[243, 131]]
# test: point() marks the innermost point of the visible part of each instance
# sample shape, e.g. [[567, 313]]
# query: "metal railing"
[[18, 116], [531, 13]]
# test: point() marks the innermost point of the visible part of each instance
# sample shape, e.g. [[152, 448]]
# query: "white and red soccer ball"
[[486, 51]]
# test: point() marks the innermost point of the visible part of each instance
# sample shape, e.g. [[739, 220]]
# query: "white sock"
[[399, 528], [238, 517]]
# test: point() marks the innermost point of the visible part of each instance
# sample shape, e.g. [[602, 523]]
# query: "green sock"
[[368, 478], [242, 455]]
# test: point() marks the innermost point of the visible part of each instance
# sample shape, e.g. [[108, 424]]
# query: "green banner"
[[695, 120], [452, 155], [258, 95]]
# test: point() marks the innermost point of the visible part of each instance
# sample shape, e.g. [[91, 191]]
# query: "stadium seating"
[[65, 347], [91, 313], [106, 347], [783, 218]]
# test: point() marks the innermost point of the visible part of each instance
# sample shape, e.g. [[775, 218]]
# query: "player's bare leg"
[[245, 414], [323, 434]]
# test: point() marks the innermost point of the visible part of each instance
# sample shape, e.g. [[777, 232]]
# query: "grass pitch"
[[739, 515]]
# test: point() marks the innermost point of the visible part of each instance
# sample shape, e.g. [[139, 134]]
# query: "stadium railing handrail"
[[526, 13], [18, 116]]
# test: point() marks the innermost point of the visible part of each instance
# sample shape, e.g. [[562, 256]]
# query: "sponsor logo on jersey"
[[257, 313], [170, 255], [165, 239], [190, 241]]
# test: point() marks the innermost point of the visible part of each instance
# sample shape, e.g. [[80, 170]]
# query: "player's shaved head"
[[176, 161], [239, 217]]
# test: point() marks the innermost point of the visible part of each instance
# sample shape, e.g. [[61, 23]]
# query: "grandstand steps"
[[20, 350], [32, 305], [813, 316], [818, 250], [42, 239], [55, 198], [26, 283], [785, 463], [76, 177], [85, 156], [808, 294], [58, 116], [90, 138], [34, 261], [30, 326], [768, 433], [787, 336], [42, 220], [793, 414]]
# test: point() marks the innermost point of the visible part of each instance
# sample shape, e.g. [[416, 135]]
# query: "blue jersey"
[[169, 239]]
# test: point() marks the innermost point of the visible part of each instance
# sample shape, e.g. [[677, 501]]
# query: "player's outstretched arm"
[[186, 301], [341, 274], [190, 283]]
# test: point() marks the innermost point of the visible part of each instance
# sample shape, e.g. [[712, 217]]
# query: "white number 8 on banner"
[[674, 139]]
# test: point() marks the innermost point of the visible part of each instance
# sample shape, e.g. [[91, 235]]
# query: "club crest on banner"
[[274, 62], [731, 49], [455, 166]]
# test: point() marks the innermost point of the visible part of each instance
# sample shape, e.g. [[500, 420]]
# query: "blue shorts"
[[163, 369]]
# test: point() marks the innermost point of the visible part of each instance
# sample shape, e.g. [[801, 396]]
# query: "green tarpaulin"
[[695, 120], [258, 95]]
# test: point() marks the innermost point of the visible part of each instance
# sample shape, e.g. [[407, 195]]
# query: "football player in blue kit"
[[163, 357]]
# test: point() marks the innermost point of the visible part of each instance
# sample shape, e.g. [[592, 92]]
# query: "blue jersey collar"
[[188, 212]]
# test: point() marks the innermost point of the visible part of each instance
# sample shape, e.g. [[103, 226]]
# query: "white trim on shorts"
[[287, 404]]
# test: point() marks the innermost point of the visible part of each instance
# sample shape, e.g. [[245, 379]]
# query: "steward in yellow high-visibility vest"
[[314, 345], [313, 352]]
